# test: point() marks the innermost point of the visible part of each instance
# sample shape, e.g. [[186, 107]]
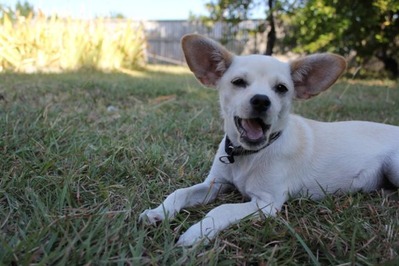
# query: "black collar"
[[232, 151]]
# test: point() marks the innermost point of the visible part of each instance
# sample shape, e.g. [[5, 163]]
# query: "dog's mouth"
[[252, 130]]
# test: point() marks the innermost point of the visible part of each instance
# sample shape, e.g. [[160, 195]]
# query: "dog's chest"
[[240, 179], [248, 176]]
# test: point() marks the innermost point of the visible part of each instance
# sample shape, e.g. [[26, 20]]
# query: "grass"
[[82, 154], [37, 43]]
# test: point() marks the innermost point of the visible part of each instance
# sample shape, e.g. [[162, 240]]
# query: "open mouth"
[[252, 130]]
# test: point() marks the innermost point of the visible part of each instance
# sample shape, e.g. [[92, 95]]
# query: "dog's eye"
[[239, 82], [281, 89]]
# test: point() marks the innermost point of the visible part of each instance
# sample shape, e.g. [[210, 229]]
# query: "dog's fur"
[[309, 158]]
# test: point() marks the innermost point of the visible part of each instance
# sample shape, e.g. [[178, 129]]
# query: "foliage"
[[366, 27], [40, 43], [21, 9], [233, 12], [230, 12], [83, 153], [117, 15]]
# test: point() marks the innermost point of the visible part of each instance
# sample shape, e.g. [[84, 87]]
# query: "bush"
[[50, 44]]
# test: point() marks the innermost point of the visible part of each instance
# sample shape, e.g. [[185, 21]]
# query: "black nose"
[[260, 103]]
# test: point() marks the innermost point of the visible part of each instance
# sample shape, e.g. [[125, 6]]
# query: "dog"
[[268, 154]]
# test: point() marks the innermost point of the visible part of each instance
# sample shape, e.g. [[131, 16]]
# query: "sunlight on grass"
[[169, 69], [133, 73], [149, 69], [374, 82]]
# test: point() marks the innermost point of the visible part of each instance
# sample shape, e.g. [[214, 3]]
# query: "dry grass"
[[52, 44]]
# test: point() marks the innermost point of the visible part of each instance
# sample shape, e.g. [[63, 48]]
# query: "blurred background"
[[54, 35]]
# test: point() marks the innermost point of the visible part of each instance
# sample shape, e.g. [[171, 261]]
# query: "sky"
[[134, 9]]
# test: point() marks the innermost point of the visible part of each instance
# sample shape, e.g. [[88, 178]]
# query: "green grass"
[[82, 154]]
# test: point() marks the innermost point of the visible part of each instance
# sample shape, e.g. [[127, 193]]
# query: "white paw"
[[198, 233], [152, 216]]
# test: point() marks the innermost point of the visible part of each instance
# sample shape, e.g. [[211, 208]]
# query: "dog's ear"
[[316, 73], [207, 59]]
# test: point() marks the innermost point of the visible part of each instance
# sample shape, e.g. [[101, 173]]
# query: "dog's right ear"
[[207, 59]]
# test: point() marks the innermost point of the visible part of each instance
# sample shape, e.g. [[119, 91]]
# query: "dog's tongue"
[[252, 128]]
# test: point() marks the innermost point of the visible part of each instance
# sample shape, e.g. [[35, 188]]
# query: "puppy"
[[269, 154]]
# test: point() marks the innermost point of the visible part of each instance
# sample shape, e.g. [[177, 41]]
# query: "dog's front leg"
[[185, 197], [221, 217], [205, 192]]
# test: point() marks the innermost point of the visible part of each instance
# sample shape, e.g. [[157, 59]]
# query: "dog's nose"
[[260, 103]]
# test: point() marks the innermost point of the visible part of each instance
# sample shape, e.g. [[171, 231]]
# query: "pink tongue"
[[252, 128]]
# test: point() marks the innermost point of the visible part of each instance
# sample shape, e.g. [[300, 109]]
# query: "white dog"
[[269, 154]]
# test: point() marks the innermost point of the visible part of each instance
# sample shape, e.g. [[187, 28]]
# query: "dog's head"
[[256, 91]]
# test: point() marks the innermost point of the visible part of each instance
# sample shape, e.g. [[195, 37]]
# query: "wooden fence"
[[163, 37]]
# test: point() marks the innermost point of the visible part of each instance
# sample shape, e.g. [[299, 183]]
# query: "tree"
[[24, 9], [271, 36], [117, 15], [366, 27], [232, 12], [21, 9]]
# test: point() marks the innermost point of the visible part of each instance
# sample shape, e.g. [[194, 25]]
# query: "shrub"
[[50, 44]]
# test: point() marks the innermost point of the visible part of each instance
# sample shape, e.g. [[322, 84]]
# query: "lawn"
[[82, 154]]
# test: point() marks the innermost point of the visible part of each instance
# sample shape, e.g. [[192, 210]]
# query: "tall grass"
[[49, 44]]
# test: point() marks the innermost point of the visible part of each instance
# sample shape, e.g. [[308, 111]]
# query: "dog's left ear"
[[207, 59], [316, 73]]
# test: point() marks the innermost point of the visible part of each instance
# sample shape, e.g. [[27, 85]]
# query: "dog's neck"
[[232, 150]]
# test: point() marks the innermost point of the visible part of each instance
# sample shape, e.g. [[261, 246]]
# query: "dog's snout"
[[260, 103]]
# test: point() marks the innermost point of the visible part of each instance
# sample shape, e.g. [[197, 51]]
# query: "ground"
[[83, 153]]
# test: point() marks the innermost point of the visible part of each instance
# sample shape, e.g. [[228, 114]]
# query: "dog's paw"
[[196, 234], [151, 216]]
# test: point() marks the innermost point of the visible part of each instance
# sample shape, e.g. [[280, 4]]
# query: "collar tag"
[[227, 159]]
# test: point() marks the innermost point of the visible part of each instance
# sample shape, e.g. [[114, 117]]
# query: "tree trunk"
[[271, 35], [390, 64]]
